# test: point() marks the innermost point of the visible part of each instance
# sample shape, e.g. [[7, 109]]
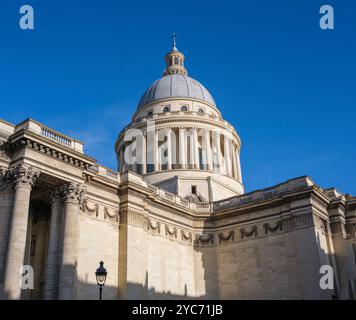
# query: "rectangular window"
[[194, 189]]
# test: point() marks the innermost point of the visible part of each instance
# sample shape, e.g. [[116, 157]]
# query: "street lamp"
[[101, 277]]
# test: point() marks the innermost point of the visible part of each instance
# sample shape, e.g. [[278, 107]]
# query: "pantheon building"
[[174, 221]]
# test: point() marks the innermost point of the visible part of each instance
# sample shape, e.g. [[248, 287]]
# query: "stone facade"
[[182, 230]]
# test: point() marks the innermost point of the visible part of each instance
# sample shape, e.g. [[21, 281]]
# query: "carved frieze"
[[171, 232], [248, 232], [154, 227], [113, 217], [269, 227], [186, 236], [229, 236], [205, 238], [93, 211]]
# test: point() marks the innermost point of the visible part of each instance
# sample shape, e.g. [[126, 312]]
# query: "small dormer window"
[[200, 110], [194, 189], [166, 109], [184, 108], [150, 113]]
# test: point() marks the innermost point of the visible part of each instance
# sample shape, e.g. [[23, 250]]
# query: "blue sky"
[[287, 86]]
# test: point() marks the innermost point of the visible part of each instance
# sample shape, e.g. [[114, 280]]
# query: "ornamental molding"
[[137, 219], [49, 151], [25, 176]]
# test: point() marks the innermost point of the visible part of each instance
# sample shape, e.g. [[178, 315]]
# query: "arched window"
[[176, 60], [150, 113], [166, 109], [201, 110], [184, 108]]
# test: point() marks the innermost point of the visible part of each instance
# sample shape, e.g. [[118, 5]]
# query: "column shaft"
[[144, 155], [156, 152], [218, 151], [24, 178], [208, 154], [68, 266], [239, 173], [169, 149], [227, 155], [50, 291], [6, 203], [196, 149], [234, 165], [182, 148]]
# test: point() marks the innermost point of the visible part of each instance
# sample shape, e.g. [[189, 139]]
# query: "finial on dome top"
[[174, 42], [174, 60]]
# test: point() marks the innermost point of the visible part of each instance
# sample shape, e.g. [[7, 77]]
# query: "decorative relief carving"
[[92, 211], [269, 228], [226, 237], [205, 238], [252, 232], [114, 217], [155, 227], [186, 236], [172, 233], [25, 175]]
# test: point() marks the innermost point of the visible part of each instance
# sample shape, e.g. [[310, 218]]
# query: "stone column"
[[24, 179], [207, 155], [182, 148], [196, 148], [191, 149], [238, 164], [156, 152], [121, 160], [227, 145], [73, 194], [234, 164], [169, 149], [6, 203], [50, 290], [144, 154], [218, 150]]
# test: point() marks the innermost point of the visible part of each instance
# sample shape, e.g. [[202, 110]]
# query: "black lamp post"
[[101, 277]]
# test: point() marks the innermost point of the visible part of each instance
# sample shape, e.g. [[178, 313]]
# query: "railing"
[[56, 137]]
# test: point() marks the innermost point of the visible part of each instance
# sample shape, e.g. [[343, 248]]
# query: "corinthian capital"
[[24, 175], [74, 192], [56, 195]]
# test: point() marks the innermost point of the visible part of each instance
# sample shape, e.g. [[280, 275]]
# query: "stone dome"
[[176, 86]]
